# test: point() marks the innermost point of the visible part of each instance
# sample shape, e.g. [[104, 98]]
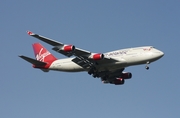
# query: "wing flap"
[[83, 62]]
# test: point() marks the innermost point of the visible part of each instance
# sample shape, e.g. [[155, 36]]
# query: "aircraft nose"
[[159, 53]]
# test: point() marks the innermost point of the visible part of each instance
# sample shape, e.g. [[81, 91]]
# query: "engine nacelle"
[[126, 75], [118, 81], [97, 56], [68, 48]]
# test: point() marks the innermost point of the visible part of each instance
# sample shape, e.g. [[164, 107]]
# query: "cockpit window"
[[148, 48]]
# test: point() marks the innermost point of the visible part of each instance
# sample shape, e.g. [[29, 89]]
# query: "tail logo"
[[40, 56]]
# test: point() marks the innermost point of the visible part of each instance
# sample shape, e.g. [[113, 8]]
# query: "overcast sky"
[[97, 26]]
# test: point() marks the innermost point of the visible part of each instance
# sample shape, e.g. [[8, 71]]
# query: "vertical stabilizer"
[[42, 54]]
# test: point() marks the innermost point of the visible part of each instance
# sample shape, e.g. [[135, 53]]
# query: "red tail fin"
[[42, 54]]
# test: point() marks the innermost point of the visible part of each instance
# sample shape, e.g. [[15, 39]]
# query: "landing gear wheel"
[[95, 75], [147, 68], [92, 70]]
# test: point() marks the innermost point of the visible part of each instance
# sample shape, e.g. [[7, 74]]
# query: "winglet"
[[30, 33]]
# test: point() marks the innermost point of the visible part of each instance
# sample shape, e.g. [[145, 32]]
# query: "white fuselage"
[[125, 57]]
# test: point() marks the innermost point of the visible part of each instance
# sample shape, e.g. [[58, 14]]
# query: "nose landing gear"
[[147, 67]]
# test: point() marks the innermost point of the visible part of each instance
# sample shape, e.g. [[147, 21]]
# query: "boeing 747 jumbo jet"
[[107, 66]]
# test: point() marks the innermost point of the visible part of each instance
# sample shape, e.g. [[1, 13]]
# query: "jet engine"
[[97, 56], [126, 75], [118, 81], [68, 48]]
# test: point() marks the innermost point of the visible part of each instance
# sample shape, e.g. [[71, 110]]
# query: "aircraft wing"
[[59, 47]]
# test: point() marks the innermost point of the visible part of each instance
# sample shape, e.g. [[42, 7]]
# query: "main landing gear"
[[93, 72], [147, 67]]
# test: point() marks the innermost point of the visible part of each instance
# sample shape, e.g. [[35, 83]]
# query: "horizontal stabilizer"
[[33, 61]]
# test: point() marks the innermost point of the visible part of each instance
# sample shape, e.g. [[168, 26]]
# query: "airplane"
[[107, 66]]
